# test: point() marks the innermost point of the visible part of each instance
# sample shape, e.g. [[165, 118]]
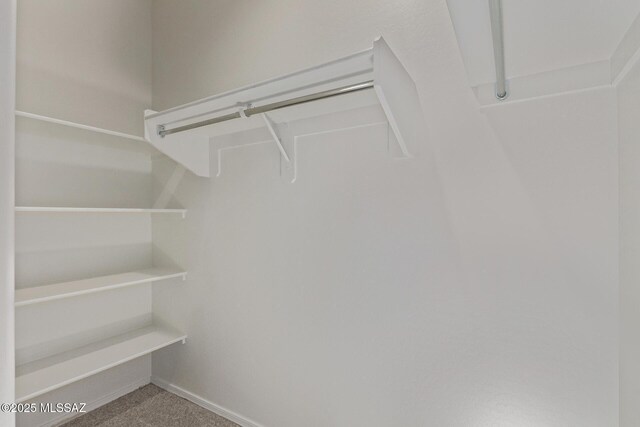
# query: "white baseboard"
[[110, 397], [200, 401]]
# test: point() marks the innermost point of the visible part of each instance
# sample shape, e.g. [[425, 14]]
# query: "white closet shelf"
[[51, 209], [42, 376], [56, 291], [80, 126], [284, 106]]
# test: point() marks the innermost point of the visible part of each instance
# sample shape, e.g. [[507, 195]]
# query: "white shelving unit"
[[37, 375], [187, 133], [56, 291], [42, 376]]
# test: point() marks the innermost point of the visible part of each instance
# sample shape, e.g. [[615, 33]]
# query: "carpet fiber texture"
[[150, 406]]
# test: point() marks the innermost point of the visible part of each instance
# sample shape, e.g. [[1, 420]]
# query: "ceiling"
[[540, 35]]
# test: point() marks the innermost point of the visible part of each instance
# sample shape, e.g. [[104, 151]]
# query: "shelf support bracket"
[[274, 134], [170, 187]]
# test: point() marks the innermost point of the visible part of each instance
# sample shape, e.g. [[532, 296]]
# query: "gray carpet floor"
[[150, 406]]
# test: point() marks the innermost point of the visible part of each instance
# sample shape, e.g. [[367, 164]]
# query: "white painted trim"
[[7, 201], [101, 401], [79, 126], [200, 401]]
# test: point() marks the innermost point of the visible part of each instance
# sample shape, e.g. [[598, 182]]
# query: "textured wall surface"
[[475, 285], [629, 131], [86, 61]]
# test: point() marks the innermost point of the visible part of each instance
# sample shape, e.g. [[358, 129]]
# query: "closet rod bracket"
[[374, 77], [242, 111], [274, 134]]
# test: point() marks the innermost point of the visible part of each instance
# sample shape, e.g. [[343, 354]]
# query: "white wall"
[[474, 285], [7, 181], [85, 61], [629, 129]]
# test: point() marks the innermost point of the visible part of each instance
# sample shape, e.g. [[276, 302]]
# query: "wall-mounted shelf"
[[79, 126], [374, 77], [51, 209], [42, 376], [38, 294]]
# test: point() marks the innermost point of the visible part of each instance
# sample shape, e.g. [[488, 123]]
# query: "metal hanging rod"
[[495, 12], [250, 111]]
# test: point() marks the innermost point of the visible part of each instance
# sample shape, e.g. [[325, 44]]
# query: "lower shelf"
[[42, 376]]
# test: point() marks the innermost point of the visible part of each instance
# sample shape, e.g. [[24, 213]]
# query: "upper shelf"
[[54, 129], [79, 126], [288, 99], [56, 209]]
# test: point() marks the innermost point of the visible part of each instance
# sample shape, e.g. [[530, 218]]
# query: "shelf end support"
[[275, 136]]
